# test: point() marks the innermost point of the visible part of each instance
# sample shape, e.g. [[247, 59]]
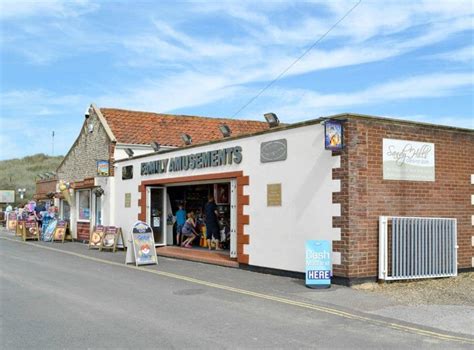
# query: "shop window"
[[65, 210], [84, 205]]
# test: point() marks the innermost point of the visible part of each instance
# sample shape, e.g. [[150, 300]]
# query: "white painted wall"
[[277, 234]]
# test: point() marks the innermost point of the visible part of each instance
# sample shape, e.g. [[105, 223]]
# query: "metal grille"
[[411, 247]]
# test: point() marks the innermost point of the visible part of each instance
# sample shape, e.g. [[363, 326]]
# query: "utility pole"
[[52, 148]]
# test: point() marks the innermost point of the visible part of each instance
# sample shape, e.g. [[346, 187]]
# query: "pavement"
[[55, 295]]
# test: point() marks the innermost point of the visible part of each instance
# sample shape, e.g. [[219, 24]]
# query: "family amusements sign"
[[226, 156]]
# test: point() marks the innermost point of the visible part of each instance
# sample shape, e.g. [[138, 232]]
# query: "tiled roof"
[[135, 127]]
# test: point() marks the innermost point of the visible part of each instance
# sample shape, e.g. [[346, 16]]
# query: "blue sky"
[[405, 59]]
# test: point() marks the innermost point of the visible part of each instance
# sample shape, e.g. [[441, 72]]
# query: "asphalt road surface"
[[54, 300]]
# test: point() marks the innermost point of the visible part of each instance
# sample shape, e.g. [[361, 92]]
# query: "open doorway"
[[193, 198]]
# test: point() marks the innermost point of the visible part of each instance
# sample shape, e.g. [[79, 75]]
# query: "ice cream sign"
[[408, 160], [318, 263]]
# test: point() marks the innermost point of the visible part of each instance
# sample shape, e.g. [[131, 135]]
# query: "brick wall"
[[80, 162], [365, 195]]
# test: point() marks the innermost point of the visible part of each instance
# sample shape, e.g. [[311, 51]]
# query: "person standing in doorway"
[[180, 220], [212, 223]]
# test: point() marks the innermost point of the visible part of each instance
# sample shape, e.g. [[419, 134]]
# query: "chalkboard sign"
[[60, 231], [30, 230], [143, 250], [47, 234], [97, 234]]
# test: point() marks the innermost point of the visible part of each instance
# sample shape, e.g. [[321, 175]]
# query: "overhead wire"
[[296, 60]]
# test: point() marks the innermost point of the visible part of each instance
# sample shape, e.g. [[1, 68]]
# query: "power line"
[[295, 61]]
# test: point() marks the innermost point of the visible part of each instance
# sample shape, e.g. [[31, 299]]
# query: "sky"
[[411, 60]]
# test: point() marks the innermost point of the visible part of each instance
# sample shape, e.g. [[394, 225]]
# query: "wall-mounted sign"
[[318, 263], [127, 172], [128, 200], [274, 195], [103, 168], [408, 160], [273, 151], [141, 249], [7, 196], [221, 157], [333, 135]]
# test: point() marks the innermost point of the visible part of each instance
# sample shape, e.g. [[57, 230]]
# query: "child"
[[189, 231], [180, 220]]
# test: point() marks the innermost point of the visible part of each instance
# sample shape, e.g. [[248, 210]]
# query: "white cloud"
[[463, 54], [299, 104]]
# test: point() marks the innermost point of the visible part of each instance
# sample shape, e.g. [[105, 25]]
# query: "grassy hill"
[[21, 173]]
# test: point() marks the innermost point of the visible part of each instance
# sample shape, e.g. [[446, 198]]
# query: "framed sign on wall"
[[333, 135], [408, 160]]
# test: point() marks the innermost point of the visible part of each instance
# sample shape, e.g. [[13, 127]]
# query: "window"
[[65, 210], [98, 211], [84, 205]]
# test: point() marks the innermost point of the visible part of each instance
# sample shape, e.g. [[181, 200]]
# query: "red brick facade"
[[365, 195]]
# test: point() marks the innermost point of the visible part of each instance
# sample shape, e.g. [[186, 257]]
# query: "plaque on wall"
[[128, 200], [274, 195], [273, 151], [408, 160]]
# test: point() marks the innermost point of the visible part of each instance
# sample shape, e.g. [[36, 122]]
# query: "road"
[[78, 299]]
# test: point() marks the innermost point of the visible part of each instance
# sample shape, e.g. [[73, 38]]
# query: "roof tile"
[[135, 127]]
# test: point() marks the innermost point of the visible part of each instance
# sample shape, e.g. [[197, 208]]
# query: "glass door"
[[156, 209]]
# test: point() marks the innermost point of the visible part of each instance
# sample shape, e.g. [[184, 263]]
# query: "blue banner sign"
[[318, 264]]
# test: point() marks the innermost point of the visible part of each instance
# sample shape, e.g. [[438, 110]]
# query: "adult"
[[180, 221], [212, 223]]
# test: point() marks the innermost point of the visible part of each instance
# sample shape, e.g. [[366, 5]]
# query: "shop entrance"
[[155, 213], [163, 203]]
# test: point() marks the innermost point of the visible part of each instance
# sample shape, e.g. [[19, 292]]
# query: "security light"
[[225, 130], [272, 119], [156, 146], [129, 152], [87, 113], [186, 139]]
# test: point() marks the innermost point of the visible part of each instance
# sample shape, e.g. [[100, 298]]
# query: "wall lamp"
[[98, 191], [272, 119], [186, 139], [225, 130], [156, 146], [129, 152]]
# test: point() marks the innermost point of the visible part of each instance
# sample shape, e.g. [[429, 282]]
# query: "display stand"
[[96, 237], [30, 230], [60, 232], [110, 239], [11, 221], [19, 227], [141, 245]]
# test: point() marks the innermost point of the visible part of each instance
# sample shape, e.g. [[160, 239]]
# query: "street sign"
[[318, 263]]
